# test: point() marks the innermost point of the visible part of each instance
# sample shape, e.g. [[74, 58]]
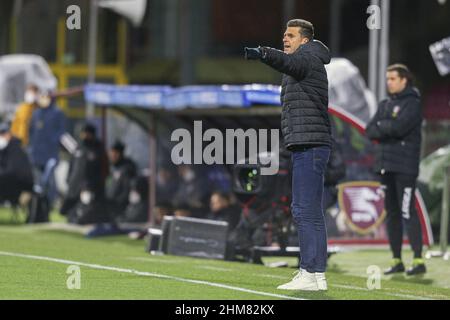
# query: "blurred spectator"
[[46, 128], [86, 180], [15, 169], [166, 185], [138, 202], [122, 172], [222, 209], [192, 191], [20, 125], [335, 172]]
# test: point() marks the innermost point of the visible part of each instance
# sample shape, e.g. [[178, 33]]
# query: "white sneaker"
[[321, 281], [303, 280]]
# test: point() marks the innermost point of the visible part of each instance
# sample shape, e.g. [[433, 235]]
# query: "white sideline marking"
[[148, 274]]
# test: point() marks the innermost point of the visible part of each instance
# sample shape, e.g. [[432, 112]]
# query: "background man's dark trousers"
[[399, 192], [309, 165]]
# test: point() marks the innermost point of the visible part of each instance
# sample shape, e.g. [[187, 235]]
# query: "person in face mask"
[[15, 169], [46, 128], [137, 208], [192, 192], [22, 118], [86, 180]]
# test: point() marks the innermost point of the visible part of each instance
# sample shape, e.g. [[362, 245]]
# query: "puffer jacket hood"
[[318, 49]]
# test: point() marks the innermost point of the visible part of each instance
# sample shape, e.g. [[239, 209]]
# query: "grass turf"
[[23, 278]]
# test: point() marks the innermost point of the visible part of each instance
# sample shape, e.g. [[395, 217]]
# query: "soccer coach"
[[306, 130]]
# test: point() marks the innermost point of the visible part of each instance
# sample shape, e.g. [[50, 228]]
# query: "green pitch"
[[34, 261]]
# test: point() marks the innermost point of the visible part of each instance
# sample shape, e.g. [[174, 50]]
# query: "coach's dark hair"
[[306, 27], [403, 72]]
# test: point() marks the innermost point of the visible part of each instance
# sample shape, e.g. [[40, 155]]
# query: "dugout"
[[162, 109]]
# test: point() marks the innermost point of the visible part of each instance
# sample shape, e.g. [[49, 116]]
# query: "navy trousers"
[[309, 165]]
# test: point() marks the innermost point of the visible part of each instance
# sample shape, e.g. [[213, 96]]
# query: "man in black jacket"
[[306, 130], [118, 186], [84, 201], [397, 127]]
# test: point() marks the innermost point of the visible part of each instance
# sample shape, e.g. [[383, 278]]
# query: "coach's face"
[[292, 39], [395, 83]]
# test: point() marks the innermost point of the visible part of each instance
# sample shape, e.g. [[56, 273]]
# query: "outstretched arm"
[[296, 65]]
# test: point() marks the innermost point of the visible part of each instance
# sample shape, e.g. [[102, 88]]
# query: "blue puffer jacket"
[[46, 128]]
